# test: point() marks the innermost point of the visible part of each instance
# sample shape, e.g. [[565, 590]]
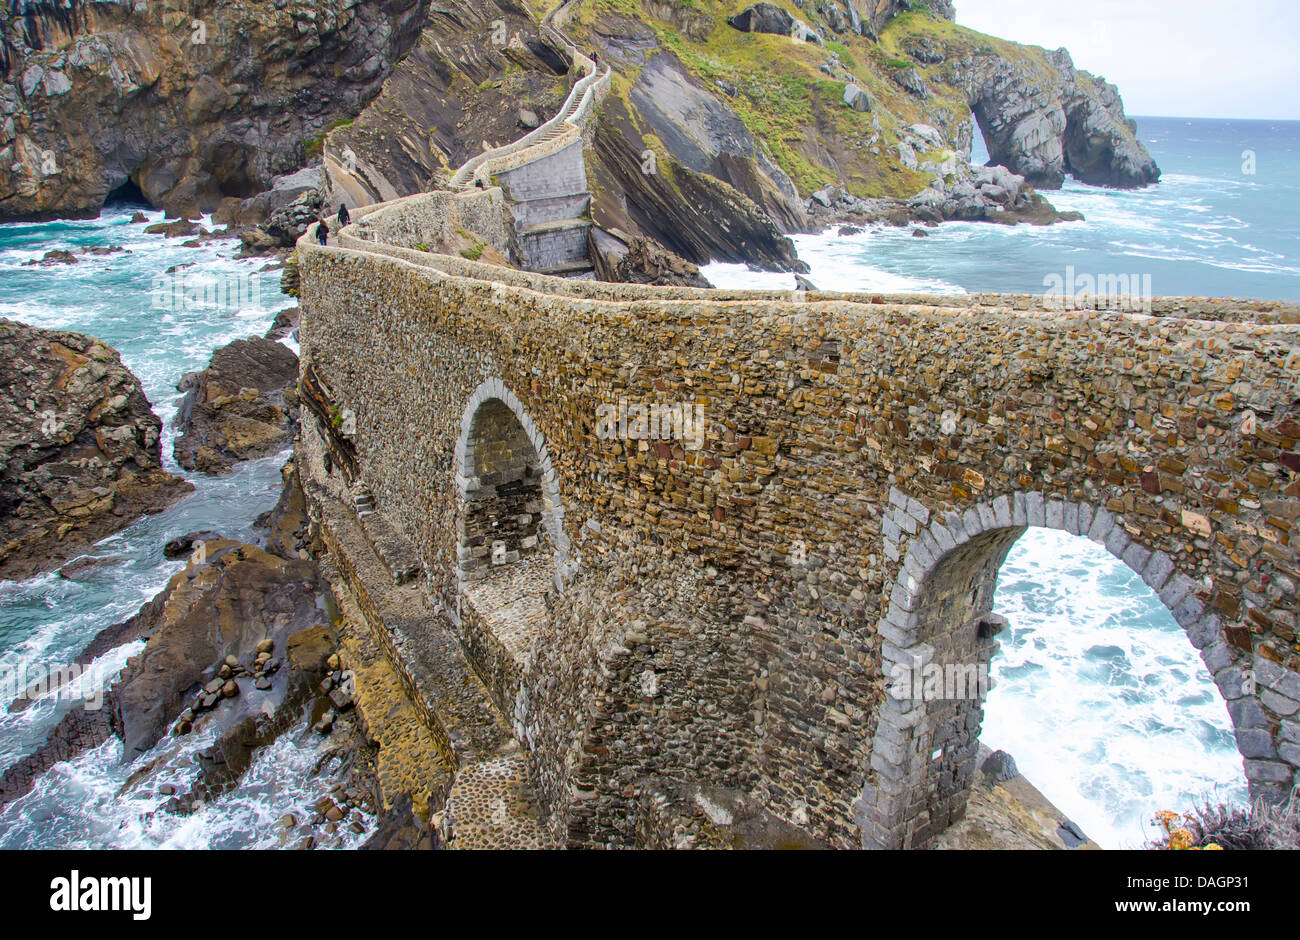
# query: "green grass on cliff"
[[785, 100], [797, 110]]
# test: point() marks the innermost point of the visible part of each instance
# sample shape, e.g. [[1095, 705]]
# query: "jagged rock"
[[911, 81], [183, 545], [285, 225], [856, 98], [999, 767], [640, 261], [400, 828], [289, 277], [528, 119], [763, 18], [285, 323], [984, 194], [174, 229], [79, 448], [802, 30], [926, 51], [243, 405], [283, 191], [114, 91], [220, 606], [454, 90], [1053, 120], [802, 283], [721, 197]]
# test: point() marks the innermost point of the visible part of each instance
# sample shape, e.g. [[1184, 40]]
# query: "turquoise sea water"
[[165, 308], [1099, 696], [1206, 229]]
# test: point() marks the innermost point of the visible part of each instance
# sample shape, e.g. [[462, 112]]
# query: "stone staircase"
[[543, 173], [435, 703]]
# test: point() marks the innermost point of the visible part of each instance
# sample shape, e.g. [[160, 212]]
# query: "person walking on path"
[[322, 231], [344, 218]]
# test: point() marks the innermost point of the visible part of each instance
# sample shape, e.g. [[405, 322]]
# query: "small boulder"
[[856, 98]]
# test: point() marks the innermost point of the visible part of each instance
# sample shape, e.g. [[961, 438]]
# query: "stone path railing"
[[558, 132]]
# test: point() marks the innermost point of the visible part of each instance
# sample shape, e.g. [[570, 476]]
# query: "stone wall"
[[727, 614], [560, 173], [433, 219]]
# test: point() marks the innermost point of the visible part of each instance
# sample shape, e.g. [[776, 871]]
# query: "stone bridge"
[[637, 540]]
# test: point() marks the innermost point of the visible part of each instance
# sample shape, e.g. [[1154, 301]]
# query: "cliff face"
[[193, 107], [79, 448], [480, 75], [723, 121], [1047, 120]]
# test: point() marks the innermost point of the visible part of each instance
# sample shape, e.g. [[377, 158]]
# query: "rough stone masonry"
[[727, 616]]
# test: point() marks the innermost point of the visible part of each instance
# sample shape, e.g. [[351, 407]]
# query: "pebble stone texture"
[[491, 807], [728, 615]]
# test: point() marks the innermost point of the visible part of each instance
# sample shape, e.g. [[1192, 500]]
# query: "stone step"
[[409, 760], [574, 270], [502, 613], [394, 551], [554, 225], [420, 644], [491, 806]]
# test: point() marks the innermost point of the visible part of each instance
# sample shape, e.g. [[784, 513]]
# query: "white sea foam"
[[1098, 694]]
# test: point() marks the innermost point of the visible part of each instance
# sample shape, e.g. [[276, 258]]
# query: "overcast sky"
[[1176, 58]]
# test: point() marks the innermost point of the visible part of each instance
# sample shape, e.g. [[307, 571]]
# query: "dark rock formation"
[[400, 828], [638, 260], [763, 18], [183, 545], [225, 605], [243, 405], [720, 196], [911, 81], [53, 256], [282, 191], [285, 324], [959, 192], [985, 194], [79, 448], [193, 108], [79, 730]]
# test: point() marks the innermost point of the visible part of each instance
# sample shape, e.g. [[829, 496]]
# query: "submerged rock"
[[244, 405], [79, 448]]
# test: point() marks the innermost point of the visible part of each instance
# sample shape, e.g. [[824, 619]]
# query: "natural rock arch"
[[939, 610], [503, 468]]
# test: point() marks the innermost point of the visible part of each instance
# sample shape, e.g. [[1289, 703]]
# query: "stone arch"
[[509, 491], [939, 611]]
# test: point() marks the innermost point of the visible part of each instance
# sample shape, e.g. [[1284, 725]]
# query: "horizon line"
[[1201, 117]]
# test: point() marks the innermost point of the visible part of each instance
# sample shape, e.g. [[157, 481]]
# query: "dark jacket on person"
[[322, 231], [344, 218]]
